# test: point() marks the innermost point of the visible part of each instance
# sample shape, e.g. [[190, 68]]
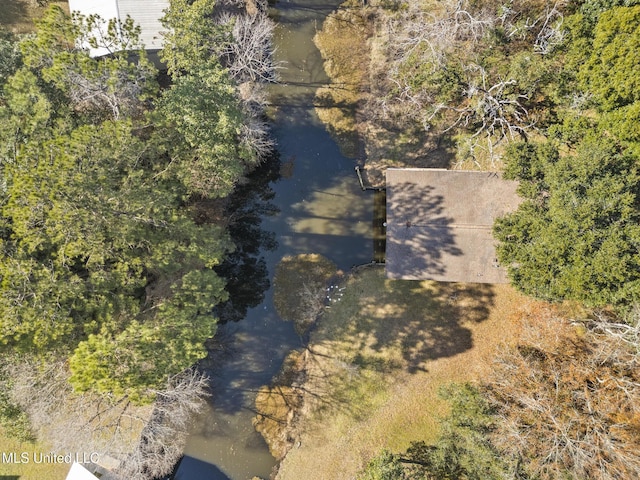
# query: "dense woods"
[[547, 92], [582, 181], [114, 188], [109, 225]]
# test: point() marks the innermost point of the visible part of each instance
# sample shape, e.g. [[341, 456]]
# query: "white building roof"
[[145, 13], [78, 472]]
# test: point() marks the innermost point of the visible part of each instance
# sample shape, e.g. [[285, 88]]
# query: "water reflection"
[[197, 469], [330, 211], [315, 207], [245, 269]]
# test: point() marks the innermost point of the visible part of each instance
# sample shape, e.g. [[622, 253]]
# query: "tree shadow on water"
[[245, 269], [190, 468]]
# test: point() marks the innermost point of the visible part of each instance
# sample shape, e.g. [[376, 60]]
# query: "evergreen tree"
[[576, 234], [463, 452], [101, 259], [93, 245], [610, 72], [199, 119]]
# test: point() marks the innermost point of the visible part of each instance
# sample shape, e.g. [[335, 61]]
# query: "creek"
[[308, 200]]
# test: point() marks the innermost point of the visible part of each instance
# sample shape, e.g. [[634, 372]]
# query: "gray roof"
[[439, 224], [145, 13]]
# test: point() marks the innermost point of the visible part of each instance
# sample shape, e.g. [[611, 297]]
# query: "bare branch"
[[146, 441]]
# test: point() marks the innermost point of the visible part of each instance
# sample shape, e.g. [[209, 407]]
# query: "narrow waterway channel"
[[317, 207]]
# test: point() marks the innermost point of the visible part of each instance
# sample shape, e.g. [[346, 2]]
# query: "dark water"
[[315, 206]]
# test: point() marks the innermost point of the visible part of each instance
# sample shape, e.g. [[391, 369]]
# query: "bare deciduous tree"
[[550, 35], [163, 437], [424, 41], [436, 75], [494, 109], [255, 133], [249, 60], [146, 441], [117, 92], [570, 401], [249, 57], [114, 83]]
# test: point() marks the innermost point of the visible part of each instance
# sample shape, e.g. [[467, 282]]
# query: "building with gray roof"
[[439, 224]]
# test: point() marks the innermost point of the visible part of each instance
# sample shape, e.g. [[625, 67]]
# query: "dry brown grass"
[[377, 359], [278, 405], [18, 15], [30, 470]]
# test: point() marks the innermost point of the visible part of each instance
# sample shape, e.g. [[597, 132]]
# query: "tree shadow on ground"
[[13, 12], [436, 329], [385, 328], [387, 145]]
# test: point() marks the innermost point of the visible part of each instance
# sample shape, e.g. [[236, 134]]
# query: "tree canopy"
[[111, 243], [463, 450], [200, 119], [610, 72], [576, 235], [94, 245], [102, 260], [577, 232]]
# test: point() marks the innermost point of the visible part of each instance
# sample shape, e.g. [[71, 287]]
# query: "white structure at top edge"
[[78, 472], [145, 13]]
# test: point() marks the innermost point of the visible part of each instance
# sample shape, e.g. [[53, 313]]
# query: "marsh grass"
[[343, 45], [300, 284], [376, 360]]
